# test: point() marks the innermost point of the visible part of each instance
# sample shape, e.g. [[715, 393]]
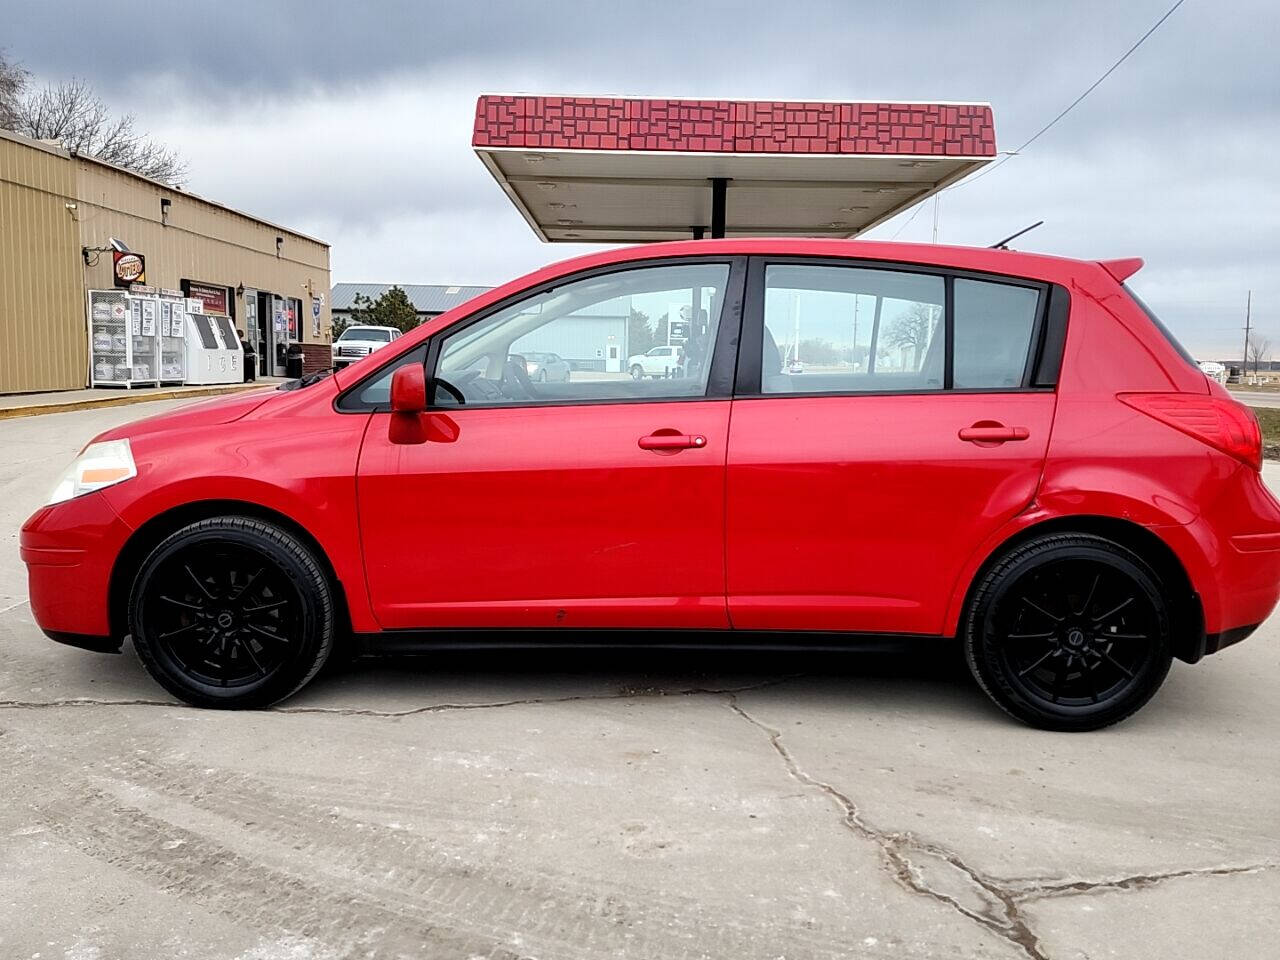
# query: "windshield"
[[366, 333]]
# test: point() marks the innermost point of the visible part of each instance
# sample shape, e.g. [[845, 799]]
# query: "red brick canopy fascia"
[[735, 126]]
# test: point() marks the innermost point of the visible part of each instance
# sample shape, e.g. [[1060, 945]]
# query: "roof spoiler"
[[1122, 270]]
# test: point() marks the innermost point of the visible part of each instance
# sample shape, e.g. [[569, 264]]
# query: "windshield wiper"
[[299, 382]]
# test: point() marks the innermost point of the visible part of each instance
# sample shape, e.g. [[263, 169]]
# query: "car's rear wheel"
[[232, 612], [637, 372], [1069, 632]]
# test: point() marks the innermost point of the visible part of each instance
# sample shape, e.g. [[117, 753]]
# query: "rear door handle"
[[988, 431], [672, 441]]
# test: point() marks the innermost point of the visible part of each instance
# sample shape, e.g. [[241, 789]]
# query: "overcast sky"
[[352, 122]]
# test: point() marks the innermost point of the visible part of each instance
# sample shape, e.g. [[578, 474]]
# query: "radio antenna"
[[1004, 244]]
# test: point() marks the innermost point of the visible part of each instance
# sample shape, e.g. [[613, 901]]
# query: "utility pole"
[[853, 350], [1244, 362]]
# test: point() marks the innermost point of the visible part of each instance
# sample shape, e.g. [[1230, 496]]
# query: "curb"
[[124, 399]]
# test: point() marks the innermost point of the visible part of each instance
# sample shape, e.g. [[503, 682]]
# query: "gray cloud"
[[353, 123]]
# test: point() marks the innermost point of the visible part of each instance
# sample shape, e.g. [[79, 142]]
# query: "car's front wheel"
[[1069, 632], [637, 372], [232, 612]]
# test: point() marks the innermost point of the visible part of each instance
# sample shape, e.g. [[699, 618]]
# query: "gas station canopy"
[[625, 170]]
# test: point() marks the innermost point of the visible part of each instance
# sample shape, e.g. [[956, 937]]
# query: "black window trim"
[[724, 353], [1044, 354]]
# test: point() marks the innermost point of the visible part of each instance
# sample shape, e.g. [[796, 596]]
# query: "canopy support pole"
[[719, 187]]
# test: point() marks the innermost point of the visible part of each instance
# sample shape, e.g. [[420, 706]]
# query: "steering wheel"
[[515, 376], [461, 378]]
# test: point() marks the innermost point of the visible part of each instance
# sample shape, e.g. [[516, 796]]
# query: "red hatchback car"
[[858, 441]]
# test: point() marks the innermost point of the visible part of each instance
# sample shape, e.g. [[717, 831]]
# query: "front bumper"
[[69, 549]]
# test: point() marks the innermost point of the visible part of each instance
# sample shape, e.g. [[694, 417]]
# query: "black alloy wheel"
[[232, 612], [1069, 632]]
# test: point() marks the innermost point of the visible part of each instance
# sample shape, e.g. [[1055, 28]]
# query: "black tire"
[[1069, 632], [232, 612], [637, 372]]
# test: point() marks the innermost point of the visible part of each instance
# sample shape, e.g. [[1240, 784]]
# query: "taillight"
[[1221, 422]]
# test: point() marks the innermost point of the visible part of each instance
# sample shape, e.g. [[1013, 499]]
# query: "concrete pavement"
[[642, 805], [1257, 399]]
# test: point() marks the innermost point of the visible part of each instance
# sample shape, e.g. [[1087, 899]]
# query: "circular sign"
[[129, 267]]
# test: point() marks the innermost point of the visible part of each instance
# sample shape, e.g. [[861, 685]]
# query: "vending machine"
[[124, 339], [173, 342], [213, 349]]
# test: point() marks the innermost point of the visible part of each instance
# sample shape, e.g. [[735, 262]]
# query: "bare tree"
[[914, 329], [73, 114], [13, 83], [1259, 350]]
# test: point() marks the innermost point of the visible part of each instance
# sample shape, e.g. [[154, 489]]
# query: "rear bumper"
[[1213, 642], [1231, 552], [69, 550]]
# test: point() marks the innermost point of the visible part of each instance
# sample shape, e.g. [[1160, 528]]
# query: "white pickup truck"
[[358, 342], [658, 362]]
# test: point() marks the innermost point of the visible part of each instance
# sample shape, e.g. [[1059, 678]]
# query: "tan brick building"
[[60, 212]]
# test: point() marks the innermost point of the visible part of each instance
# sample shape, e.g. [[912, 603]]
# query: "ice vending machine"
[[213, 349]]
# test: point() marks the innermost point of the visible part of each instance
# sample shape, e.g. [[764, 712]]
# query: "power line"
[[1071, 106], [1076, 102]]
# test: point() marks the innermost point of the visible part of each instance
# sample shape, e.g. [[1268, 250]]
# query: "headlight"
[[100, 465]]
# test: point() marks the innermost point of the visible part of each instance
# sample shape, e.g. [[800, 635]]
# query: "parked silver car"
[[546, 367]]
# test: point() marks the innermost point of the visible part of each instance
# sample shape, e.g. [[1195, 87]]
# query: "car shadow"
[[447, 677]]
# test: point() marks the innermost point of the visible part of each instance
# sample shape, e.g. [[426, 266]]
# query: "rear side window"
[[853, 329], [1164, 331], [831, 329], [993, 327]]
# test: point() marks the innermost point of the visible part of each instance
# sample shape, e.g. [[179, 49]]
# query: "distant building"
[[595, 340], [429, 300]]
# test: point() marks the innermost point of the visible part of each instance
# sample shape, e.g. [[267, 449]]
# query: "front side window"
[[850, 330], [605, 333]]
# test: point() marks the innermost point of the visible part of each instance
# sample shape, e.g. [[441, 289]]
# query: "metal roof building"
[[428, 299]]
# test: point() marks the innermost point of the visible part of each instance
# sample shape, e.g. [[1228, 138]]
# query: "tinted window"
[[849, 329], [993, 326], [584, 321]]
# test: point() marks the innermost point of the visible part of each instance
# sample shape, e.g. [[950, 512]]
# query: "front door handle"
[[989, 431], [672, 441]]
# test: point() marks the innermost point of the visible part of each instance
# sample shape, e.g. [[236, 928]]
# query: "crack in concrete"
[[626, 693], [1043, 890], [84, 702], [996, 908]]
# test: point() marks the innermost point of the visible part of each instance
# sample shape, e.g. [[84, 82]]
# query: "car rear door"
[[593, 502], [858, 488]]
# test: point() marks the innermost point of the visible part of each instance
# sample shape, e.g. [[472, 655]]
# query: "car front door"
[[595, 501], [862, 478]]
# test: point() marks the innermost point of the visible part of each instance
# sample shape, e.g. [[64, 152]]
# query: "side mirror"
[[409, 389]]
